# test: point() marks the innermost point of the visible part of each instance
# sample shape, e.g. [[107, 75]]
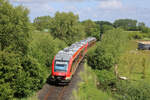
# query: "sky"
[[106, 10]]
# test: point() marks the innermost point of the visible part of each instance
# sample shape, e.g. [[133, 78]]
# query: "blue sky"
[[108, 10]]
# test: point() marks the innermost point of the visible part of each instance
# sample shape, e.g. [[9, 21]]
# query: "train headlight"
[[67, 78], [52, 76]]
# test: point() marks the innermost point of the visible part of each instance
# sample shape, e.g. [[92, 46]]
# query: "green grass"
[[135, 64], [88, 87]]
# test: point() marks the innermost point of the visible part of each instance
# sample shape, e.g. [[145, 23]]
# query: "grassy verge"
[[88, 87], [135, 64]]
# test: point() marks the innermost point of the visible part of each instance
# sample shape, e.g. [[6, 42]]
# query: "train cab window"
[[61, 66]]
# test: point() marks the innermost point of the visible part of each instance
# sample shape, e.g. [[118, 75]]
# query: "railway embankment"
[[87, 88]]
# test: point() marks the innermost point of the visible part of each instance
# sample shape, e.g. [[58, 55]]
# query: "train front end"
[[60, 73]]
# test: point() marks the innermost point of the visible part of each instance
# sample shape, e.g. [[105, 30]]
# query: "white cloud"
[[111, 4], [44, 1], [101, 10]]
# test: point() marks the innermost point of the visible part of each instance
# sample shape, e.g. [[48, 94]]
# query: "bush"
[[90, 55], [135, 35], [6, 92], [43, 48], [109, 49], [9, 67], [106, 78], [91, 29], [138, 90], [19, 76], [31, 78], [88, 87]]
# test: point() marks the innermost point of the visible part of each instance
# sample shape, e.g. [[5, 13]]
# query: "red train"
[[66, 61]]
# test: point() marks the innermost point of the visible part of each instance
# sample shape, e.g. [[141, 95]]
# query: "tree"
[[108, 51], [126, 24], [20, 74], [142, 27], [14, 27], [43, 48], [107, 28], [104, 25], [66, 27], [91, 28], [43, 22]]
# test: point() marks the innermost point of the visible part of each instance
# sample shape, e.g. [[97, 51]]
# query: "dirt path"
[[50, 92]]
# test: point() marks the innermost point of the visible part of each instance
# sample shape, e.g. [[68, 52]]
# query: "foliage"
[[109, 49], [43, 47], [88, 87], [14, 28], [6, 92], [106, 78], [126, 24], [43, 22], [107, 28], [91, 29], [23, 77], [104, 26], [31, 78], [134, 65], [131, 63], [66, 27], [90, 54], [136, 35], [138, 90], [142, 27], [20, 74]]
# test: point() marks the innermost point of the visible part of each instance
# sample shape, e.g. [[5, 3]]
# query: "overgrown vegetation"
[[108, 50], [44, 47], [117, 55], [88, 87]]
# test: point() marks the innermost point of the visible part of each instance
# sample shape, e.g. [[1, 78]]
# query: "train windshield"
[[61, 66]]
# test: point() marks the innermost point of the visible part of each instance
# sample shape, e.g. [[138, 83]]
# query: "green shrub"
[[108, 51], [91, 29], [31, 78], [6, 92], [106, 78], [90, 55], [135, 35], [22, 75], [128, 90], [88, 87], [44, 47]]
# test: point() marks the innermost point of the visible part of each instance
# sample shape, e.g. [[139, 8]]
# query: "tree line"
[[91, 28]]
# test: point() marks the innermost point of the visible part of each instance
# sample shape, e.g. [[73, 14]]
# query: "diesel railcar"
[[66, 61]]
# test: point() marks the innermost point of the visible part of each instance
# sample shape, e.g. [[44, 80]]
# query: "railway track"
[[55, 93], [60, 92]]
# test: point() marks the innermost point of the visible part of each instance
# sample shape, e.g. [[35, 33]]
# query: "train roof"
[[68, 52]]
